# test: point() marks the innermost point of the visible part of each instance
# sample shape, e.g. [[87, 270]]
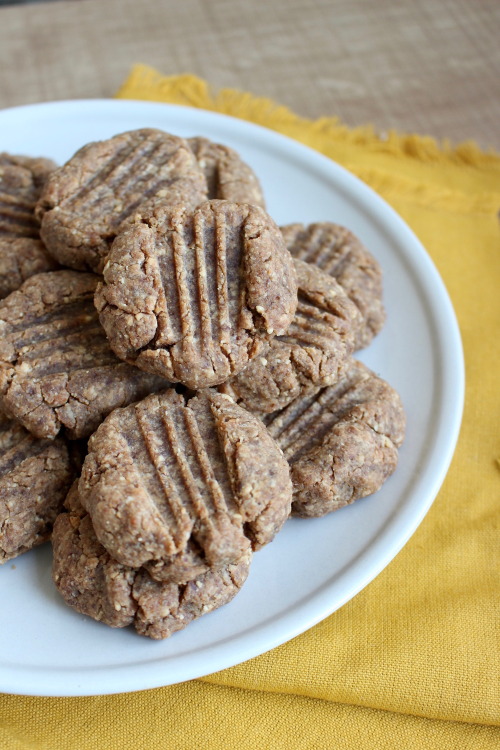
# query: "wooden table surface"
[[424, 66]]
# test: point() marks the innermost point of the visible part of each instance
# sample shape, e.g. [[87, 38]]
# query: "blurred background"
[[425, 66]]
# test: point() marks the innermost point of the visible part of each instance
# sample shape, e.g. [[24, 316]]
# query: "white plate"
[[314, 566]]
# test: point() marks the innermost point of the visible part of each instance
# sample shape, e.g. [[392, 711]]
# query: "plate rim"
[[451, 370]]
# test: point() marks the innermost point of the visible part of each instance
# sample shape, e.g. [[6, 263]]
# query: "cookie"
[[228, 176], [56, 366], [338, 252], [194, 295], [20, 188], [341, 441], [85, 201], [94, 584], [312, 351], [20, 259], [22, 254], [38, 166], [35, 476], [180, 485]]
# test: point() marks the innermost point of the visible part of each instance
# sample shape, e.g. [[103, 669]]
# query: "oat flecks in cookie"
[[94, 584], [56, 366], [180, 484], [337, 251], [312, 352], [194, 295], [22, 254], [341, 441], [85, 201], [35, 476], [228, 176]]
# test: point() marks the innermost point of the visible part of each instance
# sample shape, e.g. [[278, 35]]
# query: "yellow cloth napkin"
[[413, 660]]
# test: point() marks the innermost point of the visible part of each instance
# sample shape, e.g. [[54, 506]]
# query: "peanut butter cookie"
[[35, 476], [179, 485], [338, 252], [312, 351], [96, 585], [38, 166], [194, 295], [228, 176], [56, 366], [85, 201], [341, 441], [22, 254]]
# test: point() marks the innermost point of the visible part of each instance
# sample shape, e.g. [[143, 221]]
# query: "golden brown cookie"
[[96, 585], [35, 476], [22, 254], [312, 351], [56, 367], [194, 295], [339, 253], [179, 485], [38, 166], [341, 441], [228, 176], [85, 201]]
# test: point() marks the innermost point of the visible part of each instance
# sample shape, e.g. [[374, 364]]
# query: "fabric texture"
[[412, 661]]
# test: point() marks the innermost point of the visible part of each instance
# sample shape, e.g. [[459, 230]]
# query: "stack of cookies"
[[176, 374]]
